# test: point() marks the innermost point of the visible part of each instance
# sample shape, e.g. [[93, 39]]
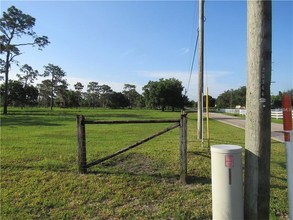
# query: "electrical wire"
[[195, 15], [192, 64]]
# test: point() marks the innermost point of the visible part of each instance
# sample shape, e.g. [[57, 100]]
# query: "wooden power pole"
[[200, 71], [258, 105]]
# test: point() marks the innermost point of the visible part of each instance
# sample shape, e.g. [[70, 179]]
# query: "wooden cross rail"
[[81, 139], [131, 121]]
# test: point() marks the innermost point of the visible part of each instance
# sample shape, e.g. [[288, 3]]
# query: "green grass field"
[[39, 178]]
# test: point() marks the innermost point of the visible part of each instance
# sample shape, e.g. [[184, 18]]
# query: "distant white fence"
[[275, 113], [234, 111]]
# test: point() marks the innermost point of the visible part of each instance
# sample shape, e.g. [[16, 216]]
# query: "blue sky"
[[118, 42]]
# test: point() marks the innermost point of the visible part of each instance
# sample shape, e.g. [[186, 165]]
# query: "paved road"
[[240, 123]]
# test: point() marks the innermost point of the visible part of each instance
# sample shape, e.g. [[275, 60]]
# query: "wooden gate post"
[[183, 148], [81, 144]]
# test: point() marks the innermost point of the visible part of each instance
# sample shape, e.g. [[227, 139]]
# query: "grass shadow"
[[198, 180], [45, 117], [201, 154], [13, 120], [140, 165]]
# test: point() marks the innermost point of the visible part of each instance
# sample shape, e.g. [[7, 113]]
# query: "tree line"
[[232, 98], [54, 92]]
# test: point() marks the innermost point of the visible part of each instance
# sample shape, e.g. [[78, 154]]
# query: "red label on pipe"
[[287, 115], [229, 161]]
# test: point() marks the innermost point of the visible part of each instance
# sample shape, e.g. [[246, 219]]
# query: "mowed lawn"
[[39, 178]]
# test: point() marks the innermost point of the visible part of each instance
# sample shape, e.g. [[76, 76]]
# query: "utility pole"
[[200, 71], [258, 117]]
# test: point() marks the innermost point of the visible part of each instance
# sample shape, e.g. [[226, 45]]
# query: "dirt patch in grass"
[[132, 163]]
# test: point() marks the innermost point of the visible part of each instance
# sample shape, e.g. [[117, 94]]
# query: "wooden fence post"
[[183, 148], [81, 144]]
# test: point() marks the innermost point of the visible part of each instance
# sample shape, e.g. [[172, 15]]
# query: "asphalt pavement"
[[276, 129]]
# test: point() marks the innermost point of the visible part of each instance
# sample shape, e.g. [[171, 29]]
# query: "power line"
[[192, 64], [195, 46]]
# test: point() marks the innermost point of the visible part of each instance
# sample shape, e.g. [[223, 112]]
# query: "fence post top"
[[183, 113]]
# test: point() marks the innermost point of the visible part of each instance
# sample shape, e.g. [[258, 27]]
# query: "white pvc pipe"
[[227, 182], [289, 157]]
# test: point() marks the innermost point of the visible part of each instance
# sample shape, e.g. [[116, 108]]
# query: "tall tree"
[[151, 94], [78, 92], [32, 94], [56, 74], [172, 93], [78, 86], [132, 95], [231, 98], [16, 96], [2, 66], [164, 93], [62, 94], [20, 95], [72, 98], [45, 93], [277, 99], [211, 101], [28, 76], [118, 100], [105, 92], [239, 96], [15, 24], [93, 90]]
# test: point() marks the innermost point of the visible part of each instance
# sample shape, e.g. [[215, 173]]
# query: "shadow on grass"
[[50, 168], [281, 164], [201, 154], [191, 180], [46, 117], [279, 186], [13, 120], [198, 180], [140, 165], [117, 116], [69, 114], [157, 176]]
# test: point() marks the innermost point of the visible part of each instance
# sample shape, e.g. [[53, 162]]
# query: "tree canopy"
[[16, 24], [276, 100], [28, 76], [232, 98], [57, 84], [164, 93]]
